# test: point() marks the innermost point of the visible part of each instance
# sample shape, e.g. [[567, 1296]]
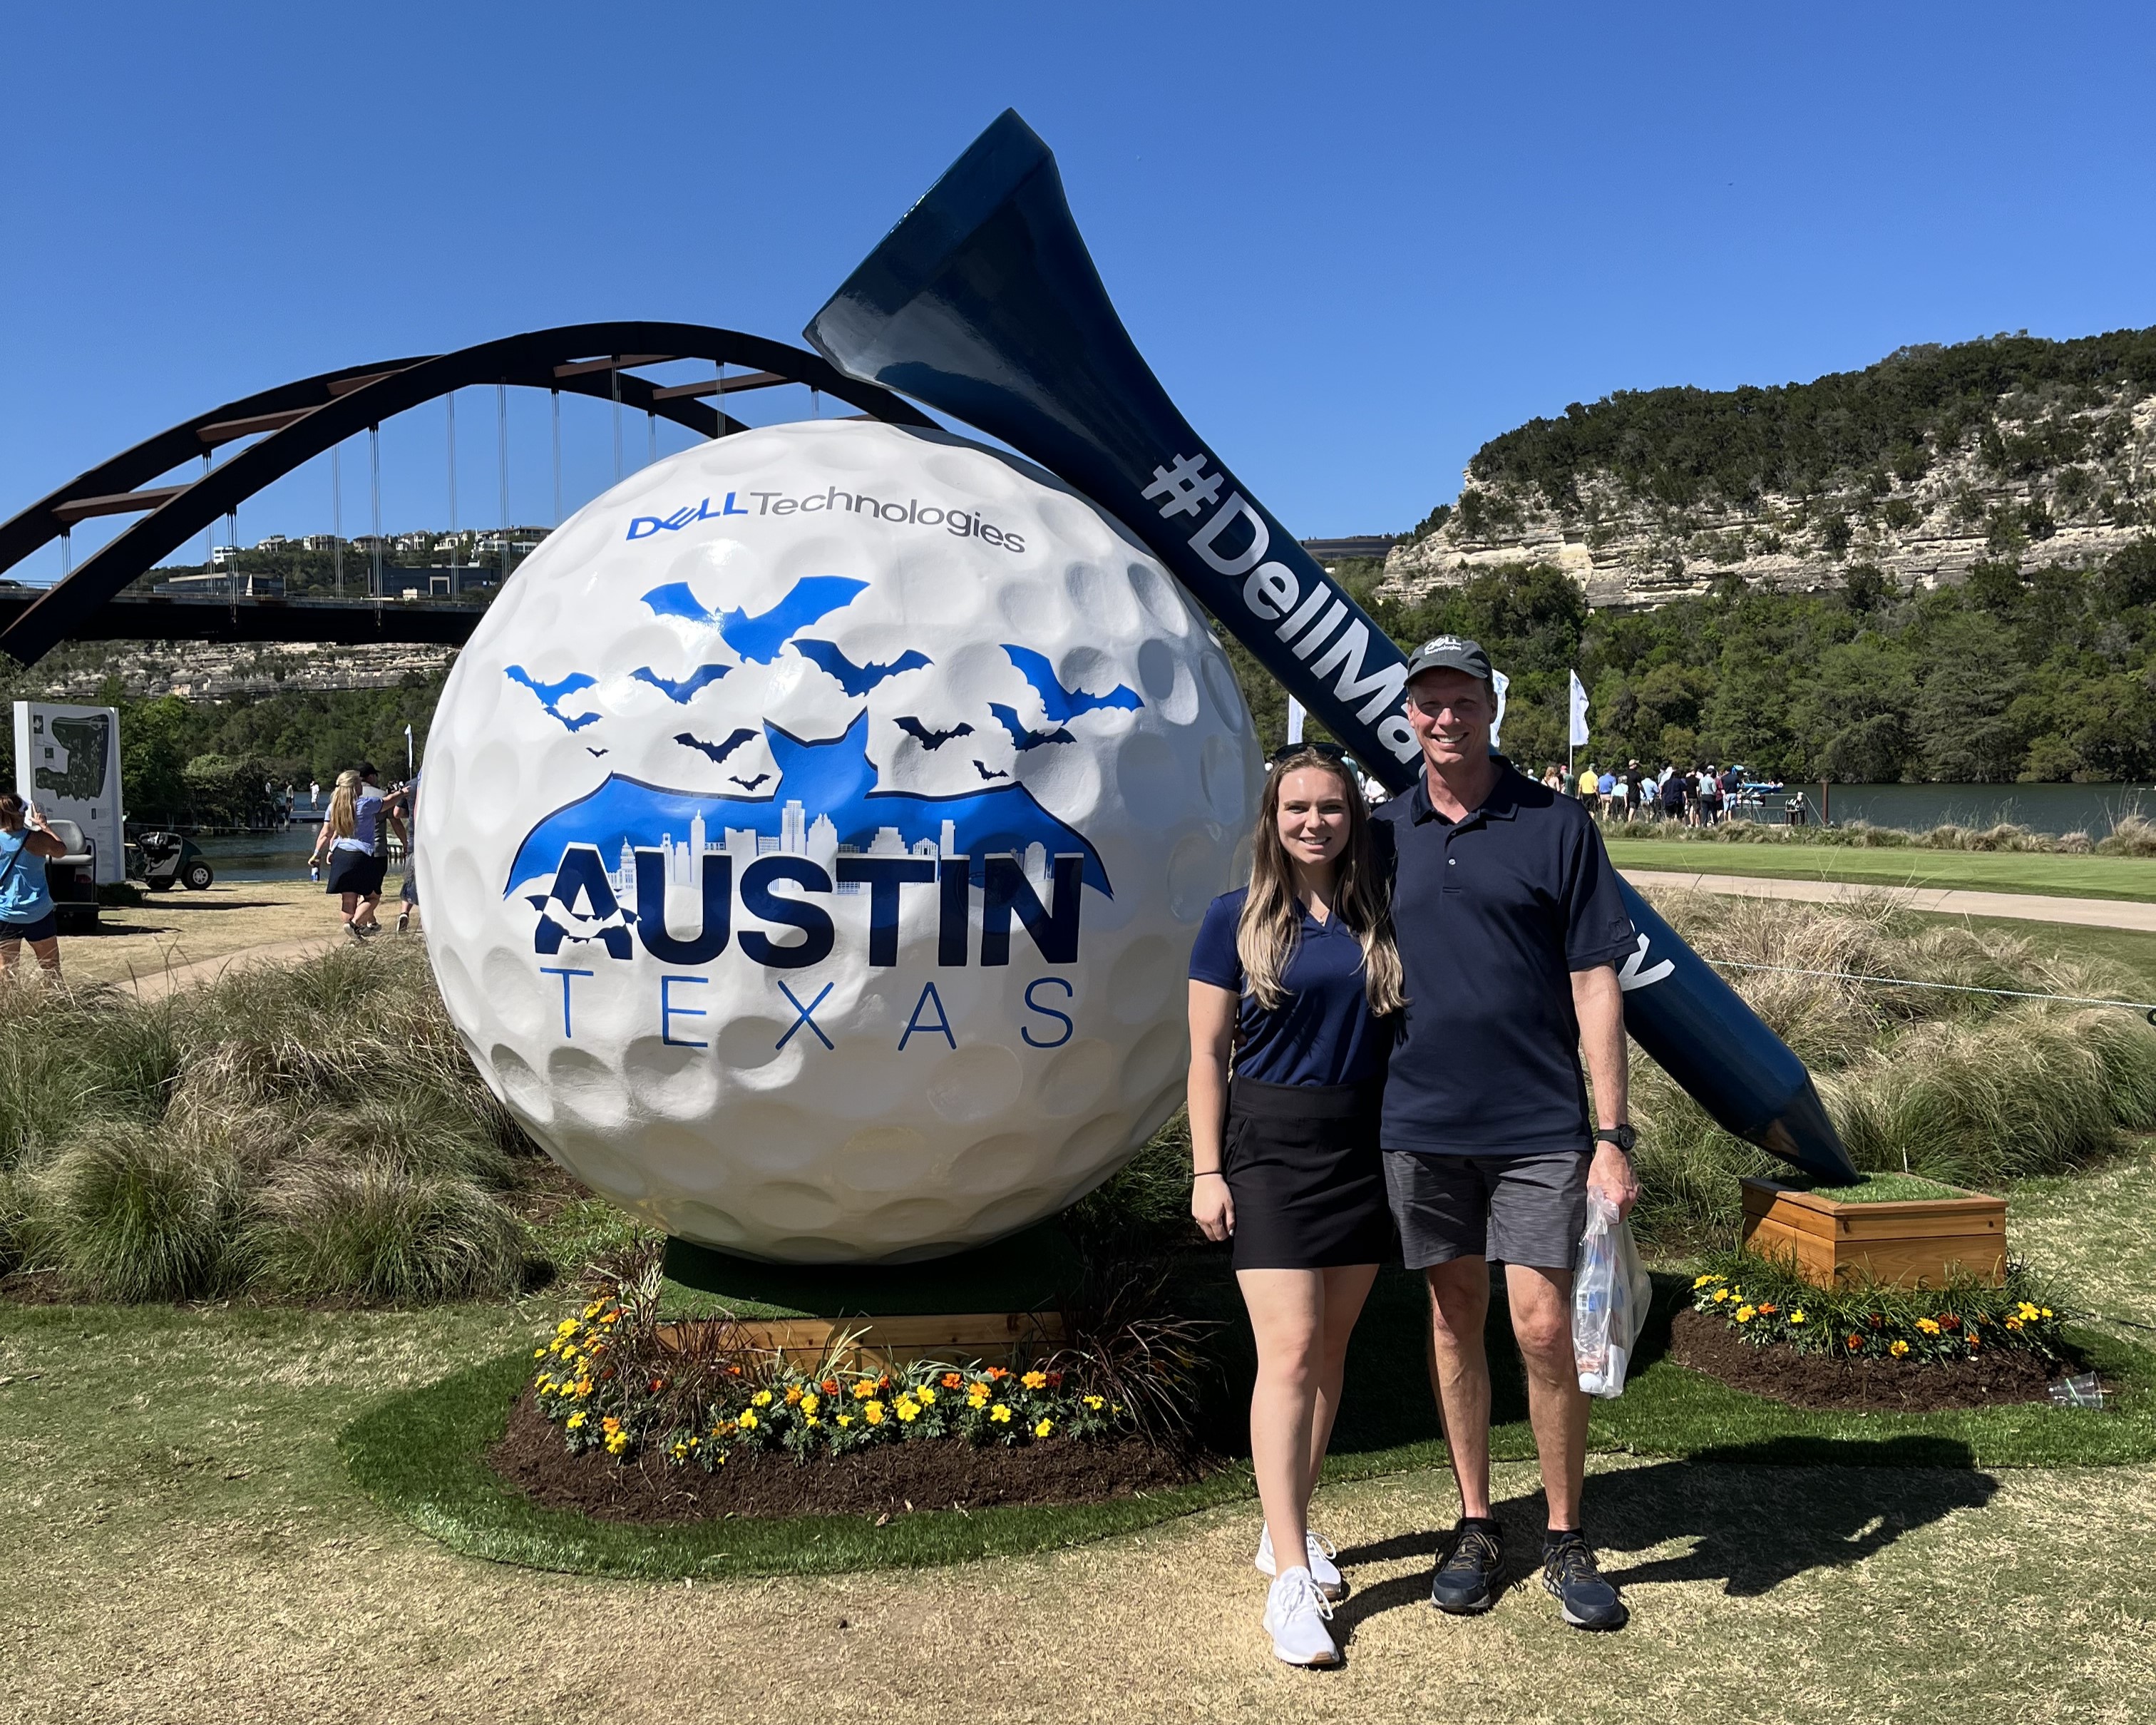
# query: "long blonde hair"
[[344, 804], [1271, 924]]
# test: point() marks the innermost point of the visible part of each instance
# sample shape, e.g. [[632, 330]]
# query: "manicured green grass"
[[1984, 871], [421, 1454], [1887, 1188]]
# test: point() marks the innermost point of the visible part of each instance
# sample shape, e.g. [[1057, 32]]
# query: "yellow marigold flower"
[[762, 1398], [925, 1395], [907, 1413], [568, 1326], [1000, 1413], [616, 1444], [814, 1422], [1035, 1380], [747, 1422], [576, 1418], [845, 1419], [1094, 1402], [679, 1451], [2047, 1311], [1929, 1326], [811, 1401], [1745, 1314], [1701, 1281], [872, 1411], [538, 1353], [1798, 1315], [1045, 1427], [864, 1390], [793, 1395], [2013, 1323], [1720, 1295], [1897, 1348]]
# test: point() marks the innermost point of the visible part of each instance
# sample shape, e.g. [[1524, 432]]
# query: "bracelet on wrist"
[[1206, 1173]]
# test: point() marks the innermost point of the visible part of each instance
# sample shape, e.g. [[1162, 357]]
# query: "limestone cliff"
[[1917, 467]]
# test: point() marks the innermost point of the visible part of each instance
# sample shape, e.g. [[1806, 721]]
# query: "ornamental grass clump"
[[1971, 1088], [312, 1131], [1770, 1306]]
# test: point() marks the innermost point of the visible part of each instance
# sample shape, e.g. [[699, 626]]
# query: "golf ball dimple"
[[813, 836]]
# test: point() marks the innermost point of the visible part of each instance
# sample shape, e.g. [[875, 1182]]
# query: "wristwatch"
[[1623, 1136]]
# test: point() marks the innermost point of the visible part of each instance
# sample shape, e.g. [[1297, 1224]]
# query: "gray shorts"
[[1522, 1209]]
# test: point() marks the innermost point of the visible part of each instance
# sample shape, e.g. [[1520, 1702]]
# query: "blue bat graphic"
[[1060, 703], [760, 637], [832, 777], [717, 751], [1021, 738], [550, 693], [859, 679], [681, 693]]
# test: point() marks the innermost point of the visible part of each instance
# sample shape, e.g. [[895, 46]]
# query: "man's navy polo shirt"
[[1324, 1032], [1492, 914]]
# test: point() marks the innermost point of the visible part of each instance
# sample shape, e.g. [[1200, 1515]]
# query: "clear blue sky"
[[1354, 240]]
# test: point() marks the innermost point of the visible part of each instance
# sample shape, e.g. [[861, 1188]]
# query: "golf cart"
[[72, 878], [164, 861]]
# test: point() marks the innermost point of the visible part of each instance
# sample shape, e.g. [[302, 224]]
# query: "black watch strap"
[[1623, 1136]]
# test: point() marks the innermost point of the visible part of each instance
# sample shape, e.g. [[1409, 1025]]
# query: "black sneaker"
[[1569, 1574], [1466, 1578]]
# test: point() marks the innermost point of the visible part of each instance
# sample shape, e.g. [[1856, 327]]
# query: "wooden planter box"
[[889, 1343], [1910, 1243]]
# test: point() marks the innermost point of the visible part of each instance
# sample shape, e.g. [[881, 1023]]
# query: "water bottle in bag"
[[1611, 1293]]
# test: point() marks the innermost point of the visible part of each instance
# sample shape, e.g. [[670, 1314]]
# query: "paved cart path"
[[1955, 901]]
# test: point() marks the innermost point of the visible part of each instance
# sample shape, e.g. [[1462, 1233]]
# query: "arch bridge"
[[287, 426]]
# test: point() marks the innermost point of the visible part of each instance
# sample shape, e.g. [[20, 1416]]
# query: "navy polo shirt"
[[1493, 914], [1324, 1031]]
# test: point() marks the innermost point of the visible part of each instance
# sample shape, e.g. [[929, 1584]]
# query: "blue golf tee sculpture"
[[983, 302]]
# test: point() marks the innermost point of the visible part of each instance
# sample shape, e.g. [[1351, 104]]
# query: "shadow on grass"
[[1752, 1525]]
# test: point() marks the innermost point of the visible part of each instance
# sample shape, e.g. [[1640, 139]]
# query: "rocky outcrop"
[[1984, 499]]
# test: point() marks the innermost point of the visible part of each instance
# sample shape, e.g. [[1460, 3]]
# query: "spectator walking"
[[26, 901], [1675, 786], [1295, 985], [353, 842], [1510, 926]]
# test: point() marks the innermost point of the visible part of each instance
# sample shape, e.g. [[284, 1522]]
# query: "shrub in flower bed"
[[1765, 1301], [611, 1381]]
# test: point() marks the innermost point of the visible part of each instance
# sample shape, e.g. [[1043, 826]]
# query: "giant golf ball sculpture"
[[812, 836]]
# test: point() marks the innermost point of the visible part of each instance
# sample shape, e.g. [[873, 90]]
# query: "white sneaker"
[[1320, 1552], [1295, 1616]]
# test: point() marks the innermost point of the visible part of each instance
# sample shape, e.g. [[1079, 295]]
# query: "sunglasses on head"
[[1330, 751]]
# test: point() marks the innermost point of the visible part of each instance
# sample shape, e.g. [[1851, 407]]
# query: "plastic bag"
[[1611, 1293]]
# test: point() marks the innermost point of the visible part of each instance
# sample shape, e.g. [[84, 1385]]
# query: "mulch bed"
[[888, 1480], [1863, 1386]]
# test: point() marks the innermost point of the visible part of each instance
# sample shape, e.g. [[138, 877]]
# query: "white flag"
[[1293, 719], [1578, 711], [1500, 682]]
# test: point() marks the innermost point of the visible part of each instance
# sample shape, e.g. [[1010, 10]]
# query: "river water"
[[2053, 808]]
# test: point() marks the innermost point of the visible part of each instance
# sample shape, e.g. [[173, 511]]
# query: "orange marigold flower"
[[952, 1380], [998, 1373], [829, 1386], [1035, 1380], [1767, 1308], [1855, 1342]]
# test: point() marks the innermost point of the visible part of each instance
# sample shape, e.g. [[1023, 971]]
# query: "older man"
[[1509, 927]]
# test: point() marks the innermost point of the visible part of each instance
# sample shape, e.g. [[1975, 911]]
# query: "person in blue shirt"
[[355, 840], [1294, 987], [26, 901]]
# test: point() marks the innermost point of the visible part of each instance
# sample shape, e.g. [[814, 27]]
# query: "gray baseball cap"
[[1449, 653]]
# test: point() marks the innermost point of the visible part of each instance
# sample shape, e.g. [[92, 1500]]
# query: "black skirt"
[[1303, 1168], [357, 871]]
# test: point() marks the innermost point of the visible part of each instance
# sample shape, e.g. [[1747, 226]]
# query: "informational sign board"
[[67, 761]]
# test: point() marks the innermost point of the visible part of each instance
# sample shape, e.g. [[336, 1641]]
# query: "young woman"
[[26, 902], [1294, 980], [347, 841]]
